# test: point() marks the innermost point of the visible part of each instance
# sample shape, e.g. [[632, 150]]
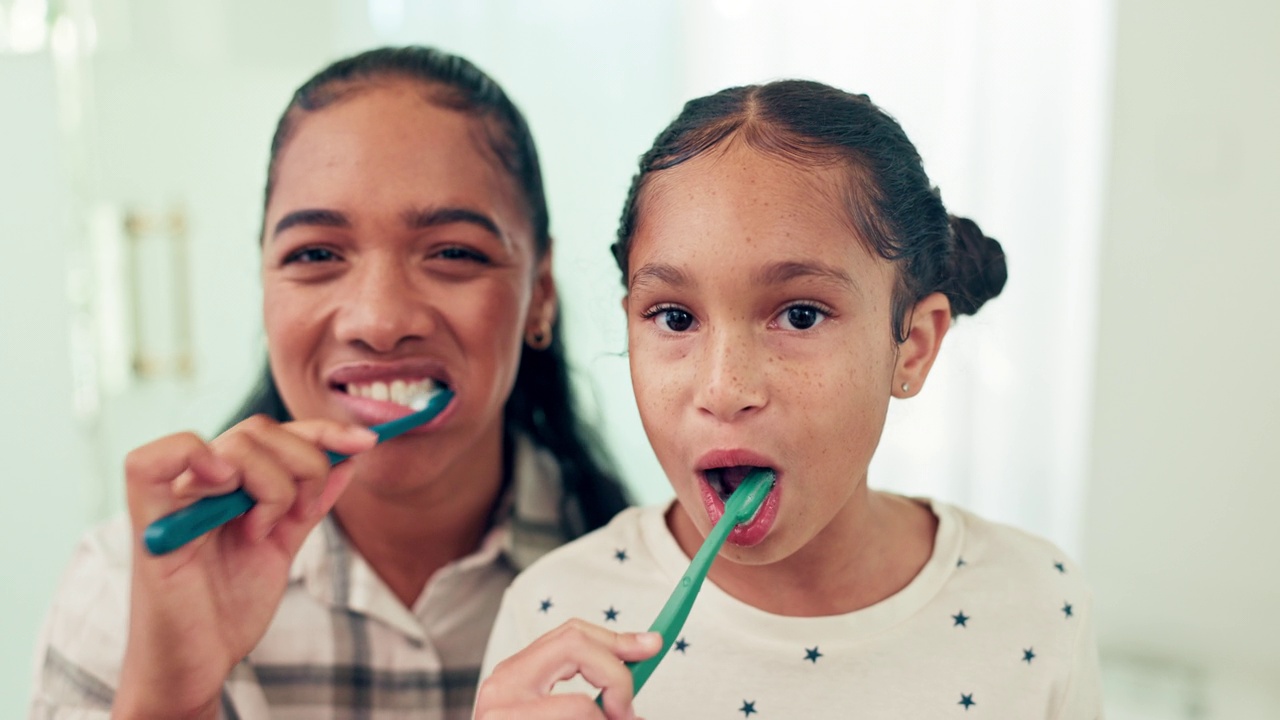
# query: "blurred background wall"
[[1117, 398]]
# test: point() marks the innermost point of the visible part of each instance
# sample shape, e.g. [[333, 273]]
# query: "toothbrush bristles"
[[419, 403]]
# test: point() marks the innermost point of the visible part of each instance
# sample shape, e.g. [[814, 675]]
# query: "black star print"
[[681, 645], [545, 605], [1061, 568], [621, 554], [1028, 656], [747, 708], [1066, 609], [966, 701], [960, 619], [812, 655], [961, 563], [610, 615]]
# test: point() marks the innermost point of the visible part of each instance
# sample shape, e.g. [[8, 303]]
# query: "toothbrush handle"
[[182, 526], [741, 506], [179, 528], [671, 618]]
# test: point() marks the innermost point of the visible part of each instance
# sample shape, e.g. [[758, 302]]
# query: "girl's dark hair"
[[890, 201], [541, 405]]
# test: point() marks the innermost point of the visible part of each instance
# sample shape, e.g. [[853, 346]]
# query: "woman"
[[405, 246]]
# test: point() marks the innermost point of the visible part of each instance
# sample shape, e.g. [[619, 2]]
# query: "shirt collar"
[[527, 525]]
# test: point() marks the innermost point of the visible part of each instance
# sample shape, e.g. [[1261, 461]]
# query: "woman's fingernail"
[[225, 471], [649, 639]]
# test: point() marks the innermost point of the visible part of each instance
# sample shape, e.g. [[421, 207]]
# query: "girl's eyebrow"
[[775, 274], [779, 273], [660, 273]]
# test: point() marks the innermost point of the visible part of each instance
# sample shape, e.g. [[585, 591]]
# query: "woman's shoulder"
[[80, 645], [597, 551], [101, 559]]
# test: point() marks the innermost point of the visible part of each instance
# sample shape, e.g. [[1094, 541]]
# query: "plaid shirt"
[[341, 646]]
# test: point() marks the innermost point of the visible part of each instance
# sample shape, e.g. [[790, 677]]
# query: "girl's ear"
[[928, 323]]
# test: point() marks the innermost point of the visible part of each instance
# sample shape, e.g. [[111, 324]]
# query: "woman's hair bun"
[[978, 270]]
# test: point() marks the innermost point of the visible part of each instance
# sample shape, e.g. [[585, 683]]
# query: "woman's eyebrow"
[[432, 217], [311, 216], [413, 219]]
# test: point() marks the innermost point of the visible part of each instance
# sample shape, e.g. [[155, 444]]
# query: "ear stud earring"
[[539, 339], [906, 387]]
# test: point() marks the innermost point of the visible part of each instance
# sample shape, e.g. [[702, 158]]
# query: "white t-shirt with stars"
[[998, 624]]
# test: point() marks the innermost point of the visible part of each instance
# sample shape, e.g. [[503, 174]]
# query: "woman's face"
[[397, 253], [759, 335]]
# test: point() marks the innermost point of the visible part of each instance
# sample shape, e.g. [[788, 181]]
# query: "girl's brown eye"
[[675, 320], [801, 317]]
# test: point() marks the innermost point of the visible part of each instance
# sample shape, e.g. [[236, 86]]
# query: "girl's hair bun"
[[978, 270]]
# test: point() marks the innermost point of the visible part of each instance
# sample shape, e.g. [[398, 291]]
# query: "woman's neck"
[[876, 546], [407, 531]]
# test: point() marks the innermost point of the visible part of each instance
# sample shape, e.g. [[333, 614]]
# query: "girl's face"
[[760, 335], [397, 254]]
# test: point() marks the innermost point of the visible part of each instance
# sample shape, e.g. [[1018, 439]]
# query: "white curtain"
[[1007, 102]]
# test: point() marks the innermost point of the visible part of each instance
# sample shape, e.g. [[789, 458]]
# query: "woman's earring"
[[539, 339], [906, 387]]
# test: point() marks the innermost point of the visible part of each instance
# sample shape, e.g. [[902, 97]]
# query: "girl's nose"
[[382, 308], [731, 382]]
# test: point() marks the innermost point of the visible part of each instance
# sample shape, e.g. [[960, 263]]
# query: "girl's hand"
[[520, 686], [197, 611]]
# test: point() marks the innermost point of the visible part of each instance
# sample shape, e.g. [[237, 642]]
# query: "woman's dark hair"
[[541, 405], [890, 201]]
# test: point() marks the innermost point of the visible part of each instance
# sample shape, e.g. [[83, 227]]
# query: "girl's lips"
[[731, 458], [754, 531]]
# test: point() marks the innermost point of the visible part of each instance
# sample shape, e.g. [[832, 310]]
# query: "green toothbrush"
[[182, 526], [740, 508]]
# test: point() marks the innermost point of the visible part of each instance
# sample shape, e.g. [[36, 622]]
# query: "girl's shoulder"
[[995, 554]]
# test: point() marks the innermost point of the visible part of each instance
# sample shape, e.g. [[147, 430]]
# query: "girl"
[[789, 269], [405, 244]]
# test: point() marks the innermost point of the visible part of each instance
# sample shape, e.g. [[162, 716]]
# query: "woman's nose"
[[732, 381], [382, 307]]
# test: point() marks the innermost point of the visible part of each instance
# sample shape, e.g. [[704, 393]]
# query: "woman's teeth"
[[411, 394]]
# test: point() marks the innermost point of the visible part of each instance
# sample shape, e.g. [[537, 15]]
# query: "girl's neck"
[[873, 549], [408, 533]]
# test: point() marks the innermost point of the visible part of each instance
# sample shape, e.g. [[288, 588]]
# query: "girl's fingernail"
[[649, 639]]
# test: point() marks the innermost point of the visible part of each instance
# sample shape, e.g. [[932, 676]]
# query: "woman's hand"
[[197, 611], [520, 686]]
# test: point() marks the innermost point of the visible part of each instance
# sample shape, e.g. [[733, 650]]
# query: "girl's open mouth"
[[718, 483]]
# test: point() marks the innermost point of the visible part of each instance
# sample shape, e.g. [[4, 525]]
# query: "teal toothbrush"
[[182, 526], [741, 507]]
